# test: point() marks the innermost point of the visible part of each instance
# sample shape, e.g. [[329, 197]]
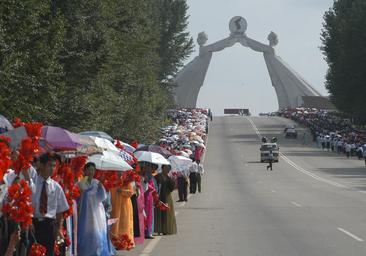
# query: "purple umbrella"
[[155, 148], [60, 139]]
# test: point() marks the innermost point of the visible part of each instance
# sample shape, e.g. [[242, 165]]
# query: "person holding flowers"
[[122, 210], [165, 222]]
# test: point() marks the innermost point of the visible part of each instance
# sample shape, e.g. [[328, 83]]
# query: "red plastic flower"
[[159, 204], [37, 250], [122, 242], [130, 176], [66, 174], [135, 144], [5, 161], [19, 206]]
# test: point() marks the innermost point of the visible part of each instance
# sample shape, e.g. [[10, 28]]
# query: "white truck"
[[265, 149]]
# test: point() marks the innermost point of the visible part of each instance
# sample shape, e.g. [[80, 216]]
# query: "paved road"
[[312, 204]]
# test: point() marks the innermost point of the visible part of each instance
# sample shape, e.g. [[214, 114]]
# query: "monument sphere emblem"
[[238, 25]]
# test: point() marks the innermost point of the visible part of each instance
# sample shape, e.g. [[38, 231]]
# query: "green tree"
[[30, 76], [176, 44], [91, 64], [343, 38], [82, 58]]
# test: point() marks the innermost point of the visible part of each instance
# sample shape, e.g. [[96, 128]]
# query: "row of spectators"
[[331, 131]]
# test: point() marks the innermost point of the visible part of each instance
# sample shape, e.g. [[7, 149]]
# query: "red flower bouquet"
[[159, 204], [37, 250], [5, 161], [122, 242], [18, 206]]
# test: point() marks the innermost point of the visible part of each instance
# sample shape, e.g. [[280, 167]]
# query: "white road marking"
[[273, 191], [351, 235], [314, 176], [296, 204], [151, 246], [362, 191], [254, 127]]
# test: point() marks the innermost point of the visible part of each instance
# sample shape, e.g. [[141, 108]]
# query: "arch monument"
[[290, 87]]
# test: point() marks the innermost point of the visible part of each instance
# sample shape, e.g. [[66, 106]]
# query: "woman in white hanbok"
[[92, 225]]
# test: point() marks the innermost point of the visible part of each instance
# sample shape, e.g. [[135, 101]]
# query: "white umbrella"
[[151, 157], [16, 136], [202, 145], [183, 153], [105, 144], [180, 163], [108, 161]]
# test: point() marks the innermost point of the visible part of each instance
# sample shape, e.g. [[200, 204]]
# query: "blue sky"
[[237, 76]]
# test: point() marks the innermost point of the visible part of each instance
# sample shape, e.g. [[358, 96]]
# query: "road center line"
[[314, 176], [296, 204], [351, 235], [254, 127]]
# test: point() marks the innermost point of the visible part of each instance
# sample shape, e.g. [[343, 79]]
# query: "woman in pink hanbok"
[[140, 199]]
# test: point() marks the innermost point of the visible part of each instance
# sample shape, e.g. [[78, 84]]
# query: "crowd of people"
[[99, 211], [331, 131]]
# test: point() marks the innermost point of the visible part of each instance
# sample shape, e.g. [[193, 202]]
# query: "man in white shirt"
[[49, 203], [348, 149], [29, 175]]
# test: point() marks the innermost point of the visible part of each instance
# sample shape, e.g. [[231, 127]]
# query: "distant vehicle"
[[264, 114], [290, 132], [264, 152], [268, 114]]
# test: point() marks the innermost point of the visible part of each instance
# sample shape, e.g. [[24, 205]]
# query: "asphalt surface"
[[313, 203]]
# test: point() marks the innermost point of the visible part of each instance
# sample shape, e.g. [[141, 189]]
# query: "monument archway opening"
[[237, 78], [289, 86]]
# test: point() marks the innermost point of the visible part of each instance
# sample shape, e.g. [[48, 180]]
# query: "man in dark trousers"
[[49, 203], [270, 159], [200, 172], [192, 181], [183, 185]]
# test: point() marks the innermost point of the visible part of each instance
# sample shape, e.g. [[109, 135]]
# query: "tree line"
[[92, 64], [343, 45]]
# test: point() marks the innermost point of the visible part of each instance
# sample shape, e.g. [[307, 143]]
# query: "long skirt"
[[165, 220]]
